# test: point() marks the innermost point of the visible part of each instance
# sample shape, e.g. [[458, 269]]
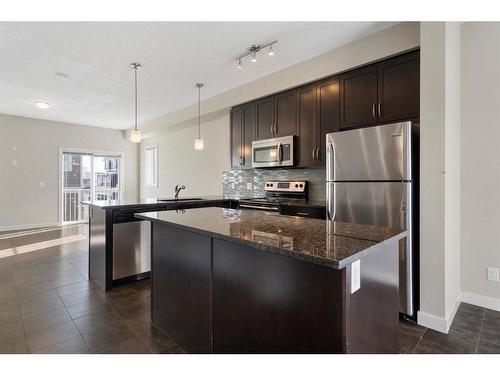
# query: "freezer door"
[[378, 153], [386, 204]]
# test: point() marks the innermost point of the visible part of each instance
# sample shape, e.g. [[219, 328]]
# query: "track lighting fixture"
[[252, 52]]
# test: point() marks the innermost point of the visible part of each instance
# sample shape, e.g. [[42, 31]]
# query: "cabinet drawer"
[[310, 212]]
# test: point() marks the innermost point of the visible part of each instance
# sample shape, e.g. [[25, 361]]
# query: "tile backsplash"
[[235, 182]]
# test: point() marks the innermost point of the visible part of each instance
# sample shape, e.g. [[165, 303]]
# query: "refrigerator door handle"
[[330, 161], [330, 201]]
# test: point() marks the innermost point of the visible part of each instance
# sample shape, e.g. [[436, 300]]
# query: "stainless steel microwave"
[[274, 152]]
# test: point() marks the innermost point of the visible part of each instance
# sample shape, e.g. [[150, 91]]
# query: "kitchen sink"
[[180, 199]]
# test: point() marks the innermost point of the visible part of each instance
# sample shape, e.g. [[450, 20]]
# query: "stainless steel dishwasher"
[[131, 246]]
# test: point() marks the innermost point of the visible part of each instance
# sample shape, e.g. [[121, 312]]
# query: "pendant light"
[[135, 133], [198, 142]]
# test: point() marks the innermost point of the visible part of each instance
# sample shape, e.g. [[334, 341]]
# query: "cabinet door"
[[358, 99], [328, 114], [306, 126], [265, 118], [399, 88], [285, 113], [236, 136], [248, 113]]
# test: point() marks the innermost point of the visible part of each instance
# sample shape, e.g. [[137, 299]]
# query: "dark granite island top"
[[332, 244]]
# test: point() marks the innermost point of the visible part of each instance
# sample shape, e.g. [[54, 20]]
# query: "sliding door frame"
[[93, 153]]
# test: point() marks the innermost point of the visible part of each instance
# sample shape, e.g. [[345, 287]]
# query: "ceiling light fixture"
[[198, 142], [271, 50], [42, 104], [252, 52], [135, 133]]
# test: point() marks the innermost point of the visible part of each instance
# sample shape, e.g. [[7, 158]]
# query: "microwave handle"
[[280, 154]]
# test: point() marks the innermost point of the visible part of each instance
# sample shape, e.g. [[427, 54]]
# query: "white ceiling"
[[84, 67]]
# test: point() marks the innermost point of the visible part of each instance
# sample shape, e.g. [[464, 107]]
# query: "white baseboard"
[[28, 226], [480, 300], [438, 323], [432, 321]]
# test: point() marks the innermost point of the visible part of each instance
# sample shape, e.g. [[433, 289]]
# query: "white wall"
[[439, 174], [480, 162], [179, 163], [23, 202]]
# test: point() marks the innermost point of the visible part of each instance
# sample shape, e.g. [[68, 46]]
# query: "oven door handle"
[[259, 207]]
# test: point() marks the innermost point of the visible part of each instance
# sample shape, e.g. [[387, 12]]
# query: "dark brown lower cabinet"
[[181, 286], [218, 296]]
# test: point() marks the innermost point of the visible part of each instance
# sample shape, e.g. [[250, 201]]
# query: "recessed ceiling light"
[[42, 104]]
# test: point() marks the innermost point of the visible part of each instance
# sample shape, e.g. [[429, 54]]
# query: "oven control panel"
[[285, 186]]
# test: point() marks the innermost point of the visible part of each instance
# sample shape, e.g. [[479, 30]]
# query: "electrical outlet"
[[355, 276], [14, 162], [249, 186], [42, 184], [492, 274], [14, 148]]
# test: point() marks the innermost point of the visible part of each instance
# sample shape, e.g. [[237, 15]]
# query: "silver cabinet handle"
[[379, 109], [373, 111], [312, 154], [317, 153], [271, 128], [302, 213], [275, 129]]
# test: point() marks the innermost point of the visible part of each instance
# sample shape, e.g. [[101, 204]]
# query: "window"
[[151, 165]]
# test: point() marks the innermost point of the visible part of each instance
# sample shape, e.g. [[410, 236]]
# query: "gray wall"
[[23, 202]]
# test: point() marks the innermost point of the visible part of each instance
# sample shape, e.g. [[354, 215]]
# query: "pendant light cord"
[[199, 109], [135, 79]]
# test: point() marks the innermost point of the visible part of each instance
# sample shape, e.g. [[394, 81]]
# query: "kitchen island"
[[247, 281]]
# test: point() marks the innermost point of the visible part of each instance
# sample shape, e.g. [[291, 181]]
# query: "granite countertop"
[[155, 202], [332, 244]]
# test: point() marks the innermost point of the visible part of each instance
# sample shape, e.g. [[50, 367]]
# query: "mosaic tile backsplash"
[[234, 182]]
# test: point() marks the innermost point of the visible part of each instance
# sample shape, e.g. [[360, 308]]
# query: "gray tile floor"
[[48, 305], [474, 330]]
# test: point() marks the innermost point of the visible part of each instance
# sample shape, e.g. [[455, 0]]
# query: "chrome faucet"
[[178, 190]]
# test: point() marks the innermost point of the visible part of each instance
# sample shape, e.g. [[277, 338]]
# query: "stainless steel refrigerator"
[[371, 178]]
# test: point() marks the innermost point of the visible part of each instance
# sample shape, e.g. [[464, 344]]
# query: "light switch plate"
[[355, 276], [493, 274], [14, 162], [14, 148], [42, 184]]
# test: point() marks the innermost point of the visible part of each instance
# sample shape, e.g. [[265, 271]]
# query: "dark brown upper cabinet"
[[307, 128], [242, 135], [249, 115], [276, 115], [317, 115], [382, 92], [284, 121], [236, 137], [265, 118], [359, 97], [328, 114], [399, 88]]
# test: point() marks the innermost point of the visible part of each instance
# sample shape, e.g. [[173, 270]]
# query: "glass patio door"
[[88, 177]]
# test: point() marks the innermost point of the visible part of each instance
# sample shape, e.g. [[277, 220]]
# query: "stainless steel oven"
[[274, 152]]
